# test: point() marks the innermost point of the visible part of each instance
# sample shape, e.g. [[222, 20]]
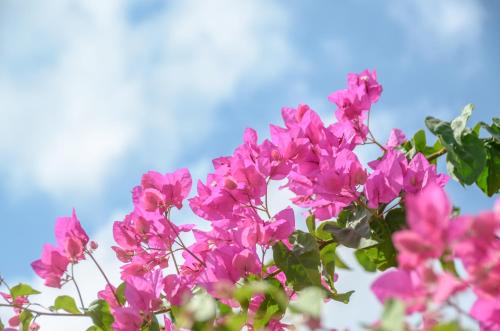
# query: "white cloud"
[[83, 89], [437, 28]]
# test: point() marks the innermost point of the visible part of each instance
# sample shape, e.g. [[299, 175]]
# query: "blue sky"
[[95, 93]]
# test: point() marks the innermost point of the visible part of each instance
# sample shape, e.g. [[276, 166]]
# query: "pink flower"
[[419, 173], [52, 266], [487, 312], [71, 238], [396, 138], [108, 295], [143, 292], [474, 240], [126, 319], [386, 181], [402, 285], [176, 289], [161, 192], [428, 218], [366, 85], [279, 228]]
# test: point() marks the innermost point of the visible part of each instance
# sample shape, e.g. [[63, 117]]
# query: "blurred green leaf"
[[25, 317], [66, 303], [101, 315], [301, 263], [22, 289], [311, 223], [393, 316], [489, 179], [309, 302], [342, 297]]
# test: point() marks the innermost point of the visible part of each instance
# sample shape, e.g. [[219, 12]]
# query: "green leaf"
[[321, 233], [493, 129], [100, 314], [301, 264], [459, 124], [94, 328], [466, 162], [120, 293], [22, 289], [356, 233], [450, 326], [396, 219], [311, 223], [1, 325], [309, 302], [342, 297], [66, 303], [489, 179], [224, 309], [383, 255], [393, 316], [466, 157], [25, 317], [419, 141], [367, 258], [268, 309], [153, 325]]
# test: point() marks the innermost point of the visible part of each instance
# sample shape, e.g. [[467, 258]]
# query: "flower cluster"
[[228, 257], [434, 234], [72, 243]]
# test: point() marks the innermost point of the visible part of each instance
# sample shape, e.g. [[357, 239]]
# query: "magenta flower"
[[71, 238], [52, 266], [386, 181]]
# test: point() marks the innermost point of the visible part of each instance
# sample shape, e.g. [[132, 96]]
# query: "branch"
[[437, 154], [43, 313]]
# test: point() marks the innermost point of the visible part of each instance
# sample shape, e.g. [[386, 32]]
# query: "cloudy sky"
[[94, 93]]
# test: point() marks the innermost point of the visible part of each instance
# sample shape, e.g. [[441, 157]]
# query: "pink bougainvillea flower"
[[159, 191], [127, 319], [475, 241], [396, 138], [71, 238], [402, 285], [108, 295], [386, 181], [419, 173], [487, 312], [176, 289], [428, 217], [365, 85], [52, 265], [280, 227], [143, 292]]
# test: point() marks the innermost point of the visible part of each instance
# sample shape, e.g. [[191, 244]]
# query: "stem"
[[173, 258], [266, 205], [181, 243], [77, 288], [437, 154], [105, 277], [325, 243], [459, 310], [42, 313], [272, 274], [2, 281]]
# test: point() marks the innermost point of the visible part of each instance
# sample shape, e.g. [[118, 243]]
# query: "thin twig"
[[76, 286], [437, 154], [105, 277], [43, 313]]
